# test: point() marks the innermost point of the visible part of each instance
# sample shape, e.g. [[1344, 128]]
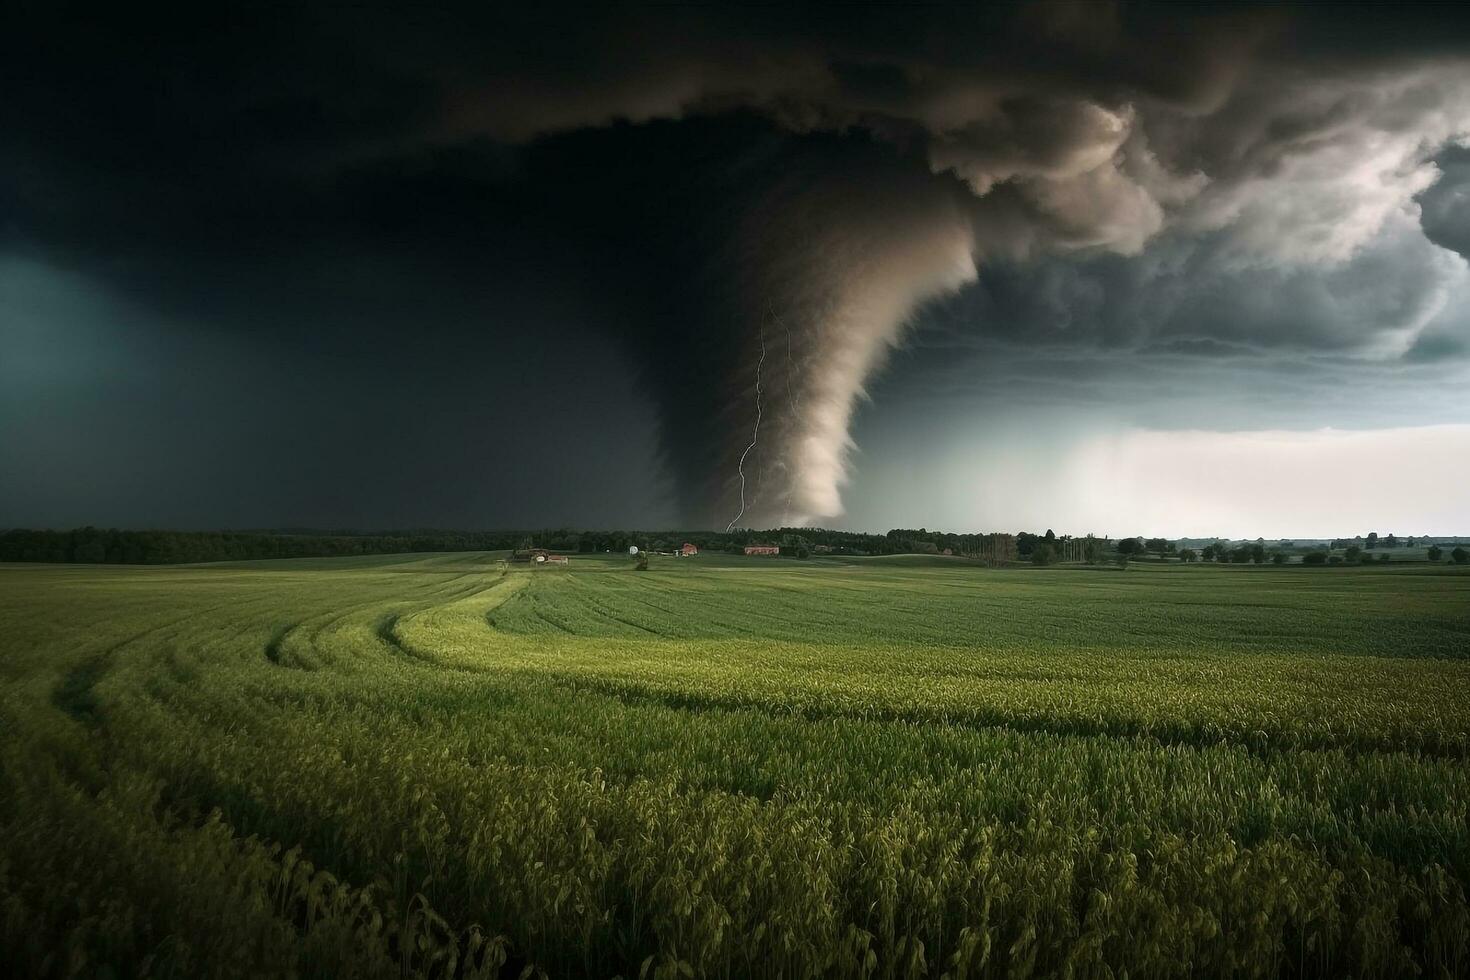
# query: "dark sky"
[[1133, 267]]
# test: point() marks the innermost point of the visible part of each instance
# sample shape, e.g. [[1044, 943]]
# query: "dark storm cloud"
[[1189, 295], [1447, 204], [754, 203]]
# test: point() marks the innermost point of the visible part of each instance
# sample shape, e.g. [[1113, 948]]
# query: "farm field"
[[448, 765]]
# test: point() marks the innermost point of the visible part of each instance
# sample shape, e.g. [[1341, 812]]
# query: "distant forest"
[[92, 545]]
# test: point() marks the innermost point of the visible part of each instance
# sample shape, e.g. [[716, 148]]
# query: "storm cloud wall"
[[756, 206]]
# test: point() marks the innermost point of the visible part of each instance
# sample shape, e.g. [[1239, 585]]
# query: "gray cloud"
[[1191, 289], [1446, 204]]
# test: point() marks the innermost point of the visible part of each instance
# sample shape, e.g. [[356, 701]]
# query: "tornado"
[[832, 274], [764, 307]]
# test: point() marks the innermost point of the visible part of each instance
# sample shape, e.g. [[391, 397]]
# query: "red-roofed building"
[[689, 549], [762, 549]]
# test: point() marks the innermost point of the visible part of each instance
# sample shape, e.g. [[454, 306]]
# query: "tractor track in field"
[[608, 614], [556, 625], [386, 630], [273, 645], [75, 694], [436, 597]]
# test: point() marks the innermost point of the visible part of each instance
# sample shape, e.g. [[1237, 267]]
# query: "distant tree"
[[1209, 552], [797, 545], [1043, 554], [1335, 560], [1050, 535], [1314, 558], [1159, 546], [1435, 553], [1258, 553], [92, 550], [1188, 555], [1092, 550], [1278, 558], [1372, 540], [1130, 547], [1390, 542], [1354, 554], [641, 565], [1460, 556]]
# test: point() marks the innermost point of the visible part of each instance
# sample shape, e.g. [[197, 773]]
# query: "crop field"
[[447, 765]]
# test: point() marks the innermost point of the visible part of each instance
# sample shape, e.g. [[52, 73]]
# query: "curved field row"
[[449, 766]]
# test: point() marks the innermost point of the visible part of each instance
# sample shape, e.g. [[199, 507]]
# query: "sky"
[[1132, 268]]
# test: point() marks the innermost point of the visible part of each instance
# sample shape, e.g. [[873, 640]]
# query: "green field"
[[447, 765]]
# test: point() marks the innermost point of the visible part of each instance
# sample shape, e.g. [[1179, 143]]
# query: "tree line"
[[90, 545]]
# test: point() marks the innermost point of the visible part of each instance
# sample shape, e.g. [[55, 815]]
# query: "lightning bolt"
[[754, 436]]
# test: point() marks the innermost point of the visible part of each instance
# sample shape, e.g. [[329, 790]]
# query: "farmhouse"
[[689, 550], [762, 549]]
